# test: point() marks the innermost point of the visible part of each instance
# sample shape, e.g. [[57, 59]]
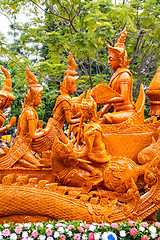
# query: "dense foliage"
[[55, 27]]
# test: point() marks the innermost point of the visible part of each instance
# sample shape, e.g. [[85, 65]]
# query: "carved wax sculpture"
[[66, 160], [121, 82], [20, 153], [94, 148], [63, 107], [101, 177], [73, 128], [62, 111], [110, 173]]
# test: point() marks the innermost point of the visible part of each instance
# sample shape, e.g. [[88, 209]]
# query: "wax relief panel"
[[127, 145]]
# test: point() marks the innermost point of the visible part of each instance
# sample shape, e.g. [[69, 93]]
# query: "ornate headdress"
[[34, 87], [119, 49], [7, 87], [70, 75], [90, 105]]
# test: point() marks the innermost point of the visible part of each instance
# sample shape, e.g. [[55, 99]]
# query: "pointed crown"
[[34, 87], [32, 81], [70, 75], [119, 49]]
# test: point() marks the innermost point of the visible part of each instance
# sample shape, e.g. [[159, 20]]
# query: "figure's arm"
[[9, 125], [32, 126], [104, 110], [89, 139], [68, 113], [32, 130], [124, 84], [69, 119], [78, 115], [124, 88], [124, 80]]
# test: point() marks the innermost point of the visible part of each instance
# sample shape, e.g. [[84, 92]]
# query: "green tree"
[[83, 27]]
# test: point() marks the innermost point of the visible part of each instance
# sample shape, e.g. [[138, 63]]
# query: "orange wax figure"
[[62, 111], [64, 104], [76, 112], [68, 163], [94, 149], [94, 145], [121, 82], [6, 98], [20, 152]]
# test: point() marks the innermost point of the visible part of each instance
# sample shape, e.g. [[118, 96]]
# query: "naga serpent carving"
[[56, 202]]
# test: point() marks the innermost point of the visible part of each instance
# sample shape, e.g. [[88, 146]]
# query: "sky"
[[4, 22], [4, 25]]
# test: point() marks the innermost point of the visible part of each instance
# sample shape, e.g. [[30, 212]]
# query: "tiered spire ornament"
[[154, 94]]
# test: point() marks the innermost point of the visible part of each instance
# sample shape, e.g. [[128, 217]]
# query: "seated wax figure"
[[63, 108], [94, 150], [20, 153], [121, 82], [67, 161], [62, 111]]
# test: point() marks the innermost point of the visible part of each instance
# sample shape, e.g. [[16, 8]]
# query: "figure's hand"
[[99, 114], [40, 124], [11, 122], [39, 130], [96, 172], [81, 152], [45, 131]]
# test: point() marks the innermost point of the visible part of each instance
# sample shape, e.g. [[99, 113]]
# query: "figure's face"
[[37, 100], [113, 61], [2, 101], [72, 88]]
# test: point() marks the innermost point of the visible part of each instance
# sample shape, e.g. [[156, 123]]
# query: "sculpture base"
[[40, 174]]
